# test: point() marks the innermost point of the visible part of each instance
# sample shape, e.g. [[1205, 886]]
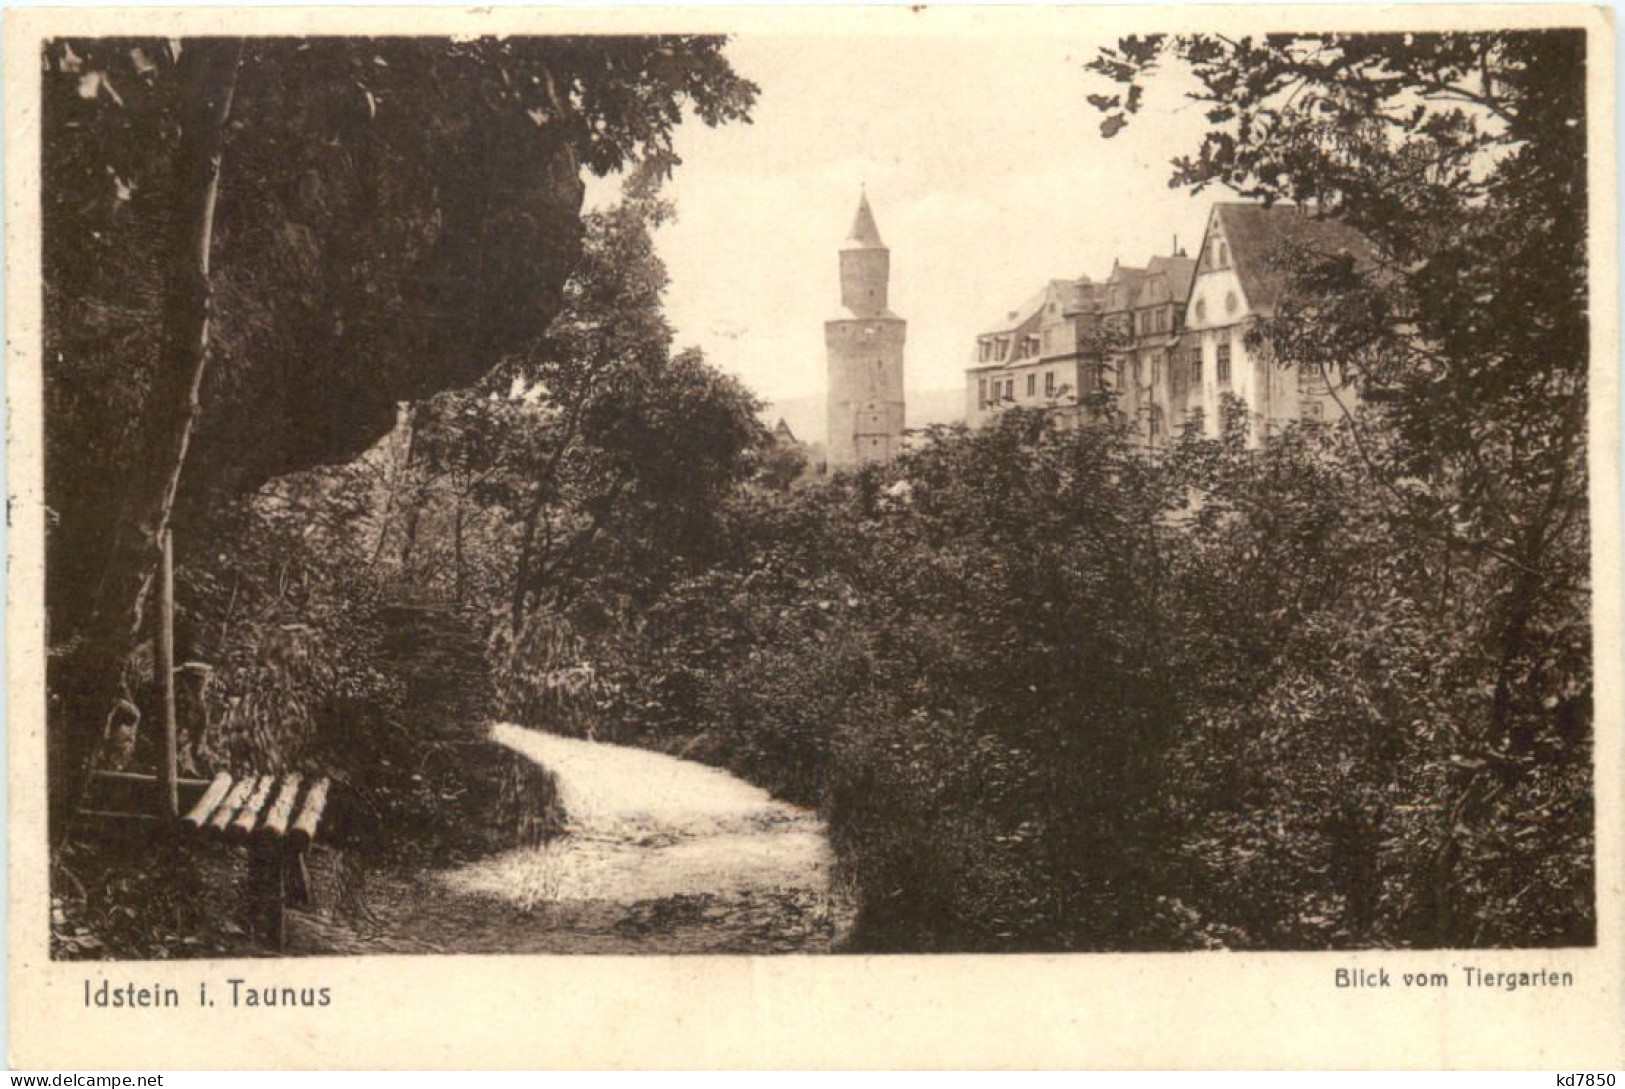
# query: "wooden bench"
[[275, 818], [268, 814], [277, 821]]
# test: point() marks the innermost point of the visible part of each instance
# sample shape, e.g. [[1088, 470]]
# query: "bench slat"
[[281, 810], [310, 816], [242, 825], [212, 797], [228, 808]]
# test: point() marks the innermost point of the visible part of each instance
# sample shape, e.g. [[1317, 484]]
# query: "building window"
[[1230, 303], [1222, 368], [1049, 383], [1201, 309], [981, 393], [1032, 385], [1156, 423], [1313, 410], [1196, 367]]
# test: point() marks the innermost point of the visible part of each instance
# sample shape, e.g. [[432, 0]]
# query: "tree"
[[207, 77], [395, 216], [1461, 157], [593, 463]]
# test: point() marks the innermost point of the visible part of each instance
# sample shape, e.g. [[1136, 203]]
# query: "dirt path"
[[661, 855]]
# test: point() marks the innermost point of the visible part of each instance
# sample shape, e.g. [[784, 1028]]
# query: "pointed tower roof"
[[864, 234]]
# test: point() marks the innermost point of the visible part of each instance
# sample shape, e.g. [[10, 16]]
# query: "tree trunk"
[[409, 539], [207, 71], [420, 495], [527, 547], [400, 468], [1501, 736], [457, 549]]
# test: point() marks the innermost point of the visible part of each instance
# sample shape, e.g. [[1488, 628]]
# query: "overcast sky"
[[987, 175]]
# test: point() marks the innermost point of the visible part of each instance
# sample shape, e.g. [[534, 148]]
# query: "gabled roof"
[[1178, 270], [1258, 235], [1130, 286], [1123, 286], [1125, 274], [864, 235]]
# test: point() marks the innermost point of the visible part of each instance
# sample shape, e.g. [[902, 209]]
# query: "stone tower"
[[864, 347]]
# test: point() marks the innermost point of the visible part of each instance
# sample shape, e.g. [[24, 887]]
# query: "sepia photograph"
[[1082, 490]]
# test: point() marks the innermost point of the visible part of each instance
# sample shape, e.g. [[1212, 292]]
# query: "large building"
[[1145, 310], [1039, 356], [1171, 338], [1238, 283], [864, 351], [1077, 336]]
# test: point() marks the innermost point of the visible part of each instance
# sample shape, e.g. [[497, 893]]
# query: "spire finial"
[[864, 233]]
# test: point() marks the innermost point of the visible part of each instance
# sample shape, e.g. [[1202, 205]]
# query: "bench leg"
[[278, 922], [267, 888], [298, 881]]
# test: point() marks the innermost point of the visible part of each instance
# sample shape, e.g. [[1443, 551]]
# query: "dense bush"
[[1055, 694]]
